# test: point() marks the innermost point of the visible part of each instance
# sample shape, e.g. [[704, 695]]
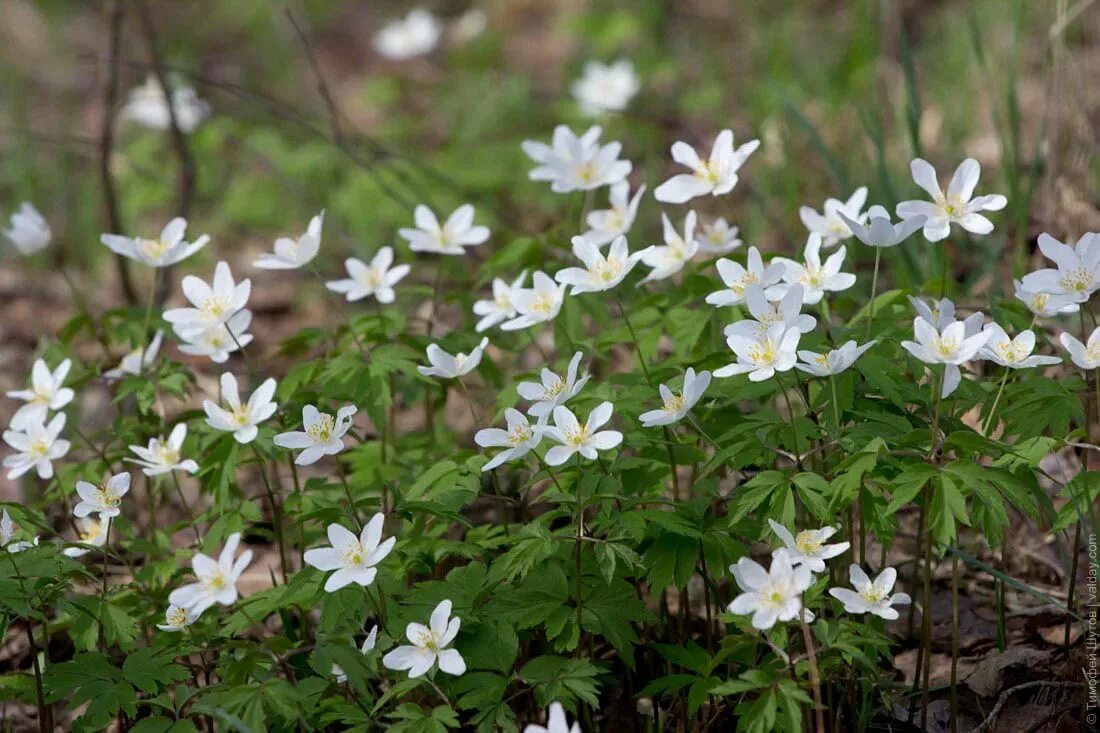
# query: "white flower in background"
[[766, 314], [323, 435], [574, 163], [957, 206], [177, 619], [90, 532], [553, 390], [377, 278], [606, 87], [816, 279], [38, 446], [163, 456], [290, 254], [675, 406], [716, 175], [1077, 274], [1013, 353], [808, 547], [576, 438], [104, 499], [7, 531], [167, 249], [445, 366], [368, 646], [211, 305], [831, 224], [556, 722], [877, 229], [737, 278], [1043, 304], [218, 342], [607, 224], [717, 237], [138, 360], [241, 419], [469, 25], [950, 346], [46, 392], [450, 238], [217, 579], [414, 35], [832, 362], [761, 357], [353, 558], [500, 308], [536, 304], [941, 314], [147, 105], [429, 646], [871, 597], [600, 272], [669, 259], [518, 440], [29, 232], [1084, 355], [770, 595]]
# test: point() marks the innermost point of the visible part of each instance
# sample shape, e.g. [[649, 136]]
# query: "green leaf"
[[561, 679]]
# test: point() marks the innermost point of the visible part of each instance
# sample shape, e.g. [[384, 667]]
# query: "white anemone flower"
[[717, 237], [104, 499], [556, 722], [950, 346], [674, 406], [323, 434], [163, 456], [167, 249], [538, 304], [600, 272], [576, 438], [218, 342], [576, 163], [177, 618], [446, 366], [1084, 355], [368, 646], [29, 232], [737, 278], [414, 35], [607, 224], [957, 206], [449, 238], [941, 314], [717, 175], [138, 360], [499, 308], [241, 419], [669, 259], [429, 646], [761, 357], [291, 254], [46, 393], [377, 278], [831, 224], [91, 532], [211, 305], [1045, 305], [217, 579], [871, 596], [37, 444], [766, 314], [808, 547], [834, 361], [815, 278], [518, 440], [1013, 353], [7, 531], [606, 88], [147, 105], [553, 390], [1077, 269], [353, 558], [771, 595], [878, 231]]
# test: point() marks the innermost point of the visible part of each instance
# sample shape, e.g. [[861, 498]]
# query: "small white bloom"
[[29, 232], [177, 619], [607, 224], [290, 254], [368, 645], [376, 279], [766, 314], [957, 206], [518, 440], [941, 314], [816, 279], [573, 163], [163, 456], [211, 305], [445, 366], [7, 531], [950, 346], [105, 499], [717, 237], [600, 272], [241, 419], [167, 249], [38, 446], [606, 87], [770, 595], [1077, 271], [1013, 353], [537, 304], [833, 362], [46, 392], [553, 390], [217, 579], [556, 722], [716, 175], [323, 434], [1085, 356], [871, 597], [808, 547], [669, 259], [450, 238], [878, 231], [429, 646], [414, 35], [469, 25], [737, 278], [675, 406], [1043, 304], [500, 308], [91, 532], [762, 356], [147, 105], [217, 342], [575, 438], [831, 224], [353, 558], [138, 360]]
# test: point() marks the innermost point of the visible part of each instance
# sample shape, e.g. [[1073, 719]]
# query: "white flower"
[[138, 360], [469, 25], [518, 440], [217, 579], [599, 272], [500, 308], [414, 35], [833, 362], [7, 531], [762, 356], [1043, 304], [163, 456], [217, 342], [29, 231], [148, 106], [449, 367], [167, 249], [290, 254], [38, 445], [429, 646], [941, 314], [46, 392], [553, 390], [353, 558], [576, 438], [871, 597], [368, 645], [376, 279], [816, 279], [91, 532], [717, 237], [1077, 274], [607, 224], [104, 499], [574, 163], [950, 345], [770, 595], [832, 223], [606, 87], [876, 230], [241, 419], [766, 314], [1084, 356], [737, 278], [676, 406], [177, 619], [556, 722], [457, 233], [323, 435], [716, 176], [808, 547], [957, 206], [536, 304], [669, 259], [1013, 353], [212, 305]]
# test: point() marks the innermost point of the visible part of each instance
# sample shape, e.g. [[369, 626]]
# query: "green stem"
[[276, 513], [996, 401], [794, 426], [634, 340], [874, 291], [577, 546]]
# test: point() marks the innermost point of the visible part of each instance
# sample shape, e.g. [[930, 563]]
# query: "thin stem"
[[439, 692], [954, 642], [186, 507], [634, 340], [699, 429], [276, 514], [926, 622], [996, 401], [874, 290], [38, 689], [347, 492], [577, 546], [672, 464], [815, 678], [794, 426], [836, 401]]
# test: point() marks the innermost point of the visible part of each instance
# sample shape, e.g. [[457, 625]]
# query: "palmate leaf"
[[562, 679], [90, 678], [150, 670]]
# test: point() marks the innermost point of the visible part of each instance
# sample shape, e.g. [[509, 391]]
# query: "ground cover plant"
[[576, 413]]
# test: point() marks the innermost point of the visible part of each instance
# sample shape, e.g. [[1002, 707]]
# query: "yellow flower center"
[[1077, 279], [154, 249], [1039, 301], [542, 303], [216, 582], [807, 542], [39, 447], [873, 595], [607, 270], [763, 353], [353, 555], [675, 403], [371, 278], [176, 617], [215, 306], [555, 389], [91, 532], [577, 437], [520, 434], [106, 497], [321, 431], [945, 347], [242, 415]]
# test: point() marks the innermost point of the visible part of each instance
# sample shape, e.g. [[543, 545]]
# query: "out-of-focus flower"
[[211, 305], [29, 232], [716, 175], [1083, 355], [878, 231], [599, 272], [717, 237], [38, 446], [446, 366], [1077, 271], [573, 163], [500, 308], [553, 390], [147, 105], [46, 392], [163, 456], [737, 278], [91, 532], [167, 249], [291, 254], [832, 362], [450, 238], [414, 35], [138, 360], [7, 531], [518, 440], [675, 406], [669, 259], [537, 304], [606, 87], [377, 278], [323, 434], [815, 278], [556, 722], [831, 224], [217, 579], [368, 645], [957, 206], [607, 224]]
